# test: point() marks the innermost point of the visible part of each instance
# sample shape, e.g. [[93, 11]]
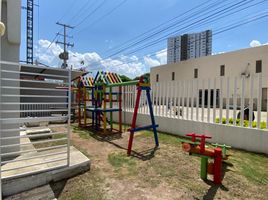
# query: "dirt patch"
[[164, 173]]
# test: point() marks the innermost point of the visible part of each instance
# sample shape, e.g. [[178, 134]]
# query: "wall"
[[209, 70], [11, 16], [209, 66], [240, 138], [10, 48]]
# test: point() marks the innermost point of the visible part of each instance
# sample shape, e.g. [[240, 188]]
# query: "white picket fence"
[[209, 107], [216, 100]]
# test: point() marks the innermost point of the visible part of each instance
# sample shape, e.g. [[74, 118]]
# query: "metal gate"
[[35, 108]]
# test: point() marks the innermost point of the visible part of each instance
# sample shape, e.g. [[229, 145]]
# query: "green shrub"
[[263, 125], [246, 122], [224, 120], [254, 124]]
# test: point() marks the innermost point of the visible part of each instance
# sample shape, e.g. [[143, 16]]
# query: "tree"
[[146, 76], [125, 78]]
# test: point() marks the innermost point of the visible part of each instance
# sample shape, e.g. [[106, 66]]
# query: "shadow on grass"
[[110, 137], [212, 191], [146, 154], [142, 155], [58, 187]]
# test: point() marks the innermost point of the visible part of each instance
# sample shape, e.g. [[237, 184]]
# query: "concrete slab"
[[41, 193], [26, 140], [16, 181], [38, 131]]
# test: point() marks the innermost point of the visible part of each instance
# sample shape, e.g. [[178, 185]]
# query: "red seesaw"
[[198, 148]]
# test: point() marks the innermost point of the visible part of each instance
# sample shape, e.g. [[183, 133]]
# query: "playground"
[[134, 160], [168, 173], [125, 165]]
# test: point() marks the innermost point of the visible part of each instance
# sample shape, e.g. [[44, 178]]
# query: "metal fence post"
[[69, 114], [0, 124], [259, 108]]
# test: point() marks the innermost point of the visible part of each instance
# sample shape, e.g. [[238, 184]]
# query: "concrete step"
[[40, 193], [17, 181]]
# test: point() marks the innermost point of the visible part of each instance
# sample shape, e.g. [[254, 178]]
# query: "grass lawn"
[[167, 173]]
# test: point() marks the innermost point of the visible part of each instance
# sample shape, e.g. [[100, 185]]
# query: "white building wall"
[[209, 66], [236, 63]]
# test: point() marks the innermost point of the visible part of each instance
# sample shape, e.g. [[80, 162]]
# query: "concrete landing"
[[24, 179], [41, 193]]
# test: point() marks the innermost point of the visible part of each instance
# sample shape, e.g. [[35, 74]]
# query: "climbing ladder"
[[142, 86]]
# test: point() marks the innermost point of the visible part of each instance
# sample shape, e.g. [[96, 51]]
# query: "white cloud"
[[49, 55], [150, 62], [162, 56], [217, 53], [131, 66], [255, 43]]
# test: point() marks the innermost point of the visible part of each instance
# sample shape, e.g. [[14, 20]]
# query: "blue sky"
[[98, 35]]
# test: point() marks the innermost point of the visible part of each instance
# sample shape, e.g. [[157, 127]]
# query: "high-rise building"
[[189, 46]]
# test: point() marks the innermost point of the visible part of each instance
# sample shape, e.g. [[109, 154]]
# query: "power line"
[[67, 10], [220, 31], [174, 32], [83, 8], [211, 15], [188, 17], [198, 22], [112, 10], [57, 34], [103, 16], [54, 39], [165, 23], [177, 30], [91, 13]]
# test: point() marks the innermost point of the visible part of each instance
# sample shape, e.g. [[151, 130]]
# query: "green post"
[[224, 151], [123, 84], [224, 148], [204, 165]]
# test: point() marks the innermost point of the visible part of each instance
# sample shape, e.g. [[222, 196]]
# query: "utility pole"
[[64, 56]]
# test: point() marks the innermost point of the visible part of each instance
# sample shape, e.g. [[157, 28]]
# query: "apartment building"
[[189, 46]]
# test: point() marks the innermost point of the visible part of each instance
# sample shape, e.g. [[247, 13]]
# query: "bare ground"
[[165, 173]]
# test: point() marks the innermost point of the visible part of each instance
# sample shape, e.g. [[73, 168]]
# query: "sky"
[[102, 27]]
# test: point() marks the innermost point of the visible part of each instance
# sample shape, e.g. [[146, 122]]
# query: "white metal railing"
[[217, 100], [34, 119]]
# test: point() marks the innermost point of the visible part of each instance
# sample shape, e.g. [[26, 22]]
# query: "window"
[[222, 72], [258, 66], [173, 76], [157, 77], [195, 73]]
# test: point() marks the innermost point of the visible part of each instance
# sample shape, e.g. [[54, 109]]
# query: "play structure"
[[142, 85], [216, 154], [98, 98]]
